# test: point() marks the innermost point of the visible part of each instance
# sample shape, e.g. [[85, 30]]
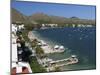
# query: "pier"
[[63, 62]]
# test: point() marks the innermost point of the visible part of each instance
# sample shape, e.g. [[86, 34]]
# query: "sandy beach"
[[47, 48], [31, 36]]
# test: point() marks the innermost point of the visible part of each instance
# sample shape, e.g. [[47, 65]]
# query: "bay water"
[[78, 41]]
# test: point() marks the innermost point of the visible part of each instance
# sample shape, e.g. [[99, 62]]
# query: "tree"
[[57, 69], [35, 66], [26, 54], [29, 27], [34, 43], [39, 51]]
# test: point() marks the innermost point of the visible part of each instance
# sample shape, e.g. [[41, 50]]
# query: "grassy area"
[[35, 66]]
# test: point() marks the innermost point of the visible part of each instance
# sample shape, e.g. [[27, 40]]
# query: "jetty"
[[71, 60]]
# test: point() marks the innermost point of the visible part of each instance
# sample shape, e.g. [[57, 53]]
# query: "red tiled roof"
[[13, 71], [24, 70]]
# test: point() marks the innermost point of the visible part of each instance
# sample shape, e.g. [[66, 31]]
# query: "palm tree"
[[39, 51], [34, 43]]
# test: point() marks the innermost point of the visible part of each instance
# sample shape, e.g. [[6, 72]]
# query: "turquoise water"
[[78, 41]]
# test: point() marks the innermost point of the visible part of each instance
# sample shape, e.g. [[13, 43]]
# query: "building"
[[18, 66], [56, 47], [61, 48]]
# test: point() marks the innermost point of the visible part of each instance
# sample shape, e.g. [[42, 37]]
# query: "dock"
[[63, 62]]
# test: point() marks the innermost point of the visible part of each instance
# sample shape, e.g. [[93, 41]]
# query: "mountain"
[[16, 16], [44, 18], [39, 18]]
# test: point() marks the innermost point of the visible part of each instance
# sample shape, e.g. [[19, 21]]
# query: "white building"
[[50, 25], [56, 47], [61, 48], [73, 25], [20, 65], [89, 25], [21, 27], [82, 25], [14, 52], [14, 28]]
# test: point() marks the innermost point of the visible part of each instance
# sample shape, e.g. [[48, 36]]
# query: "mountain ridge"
[[40, 18]]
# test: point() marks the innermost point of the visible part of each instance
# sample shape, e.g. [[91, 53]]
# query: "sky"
[[63, 10]]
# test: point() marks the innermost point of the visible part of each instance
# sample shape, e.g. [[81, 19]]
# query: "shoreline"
[[47, 48]]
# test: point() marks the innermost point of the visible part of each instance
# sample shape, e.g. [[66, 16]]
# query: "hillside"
[[44, 18], [16, 16]]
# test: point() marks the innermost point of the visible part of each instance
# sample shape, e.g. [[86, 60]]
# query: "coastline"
[[48, 48], [32, 35]]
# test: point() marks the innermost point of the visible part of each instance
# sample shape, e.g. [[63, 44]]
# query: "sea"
[[79, 41]]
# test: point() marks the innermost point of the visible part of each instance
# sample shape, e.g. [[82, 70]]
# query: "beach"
[[31, 36], [46, 48]]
